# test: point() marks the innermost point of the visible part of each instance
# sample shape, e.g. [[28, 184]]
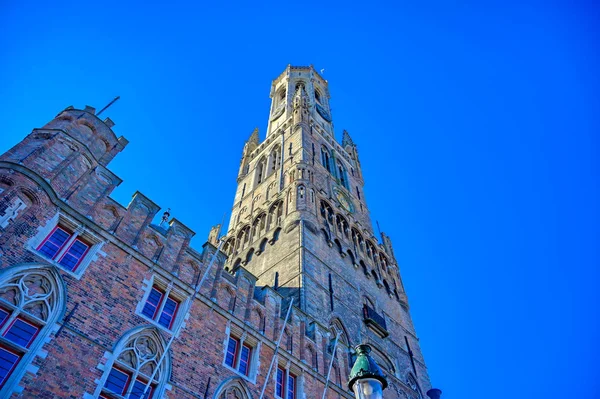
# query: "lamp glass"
[[368, 388]]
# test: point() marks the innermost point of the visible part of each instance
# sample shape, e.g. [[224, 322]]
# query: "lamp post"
[[366, 378]]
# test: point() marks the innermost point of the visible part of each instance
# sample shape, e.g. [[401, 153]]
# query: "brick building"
[[92, 292]]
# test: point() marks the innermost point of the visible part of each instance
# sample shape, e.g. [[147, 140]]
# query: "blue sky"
[[477, 125]]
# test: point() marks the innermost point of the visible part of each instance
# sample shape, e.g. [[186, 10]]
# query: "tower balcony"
[[375, 321]]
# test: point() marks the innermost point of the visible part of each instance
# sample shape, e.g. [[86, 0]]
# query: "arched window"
[[317, 96], [281, 96], [234, 388], [325, 158], [327, 212], [276, 235], [274, 159], [258, 226], [383, 361], [249, 255], [260, 170], [411, 381], [343, 175], [263, 245], [275, 214], [135, 363], [229, 246], [387, 288], [32, 298]]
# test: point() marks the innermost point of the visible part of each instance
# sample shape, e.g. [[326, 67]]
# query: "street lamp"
[[366, 378]]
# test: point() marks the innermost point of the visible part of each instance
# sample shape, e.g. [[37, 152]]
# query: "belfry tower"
[[300, 223]]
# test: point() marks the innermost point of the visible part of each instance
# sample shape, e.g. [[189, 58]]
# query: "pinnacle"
[[346, 139]]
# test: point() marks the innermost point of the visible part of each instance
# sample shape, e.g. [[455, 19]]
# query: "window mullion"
[[131, 383], [162, 303], [9, 321], [239, 354], [67, 245]]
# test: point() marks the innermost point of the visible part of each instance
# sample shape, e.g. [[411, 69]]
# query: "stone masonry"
[[300, 233]]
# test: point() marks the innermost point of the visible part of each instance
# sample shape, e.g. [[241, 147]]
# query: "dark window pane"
[[168, 313], [152, 303], [279, 384], [245, 360], [291, 388], [73, 256], [3, 316], [231, 352], [117, 381], [54, 243], [138, 390], [21, 333], [8, 361]]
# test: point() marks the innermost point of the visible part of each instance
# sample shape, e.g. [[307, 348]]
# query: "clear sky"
[[477, 125]]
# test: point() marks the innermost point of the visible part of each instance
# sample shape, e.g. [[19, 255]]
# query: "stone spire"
[[347, 140], [254, 139]]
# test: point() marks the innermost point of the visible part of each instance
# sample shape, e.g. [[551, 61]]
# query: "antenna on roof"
[[108, 105]]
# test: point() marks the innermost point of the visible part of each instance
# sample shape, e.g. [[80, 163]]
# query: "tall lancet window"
[[31, 301], [260, 171], [343, 175], [325, 158]]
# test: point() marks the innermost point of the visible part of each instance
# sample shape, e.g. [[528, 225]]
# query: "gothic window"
[[275, 214], [65, 244], [260, 171], [59, 246], [229, 246], [343, 176], [374, 274], [276, 236], [262, 246], [364, 269], [325, 158], [238, 355], [281, 96], [249, 255], [327, 212], [301, 195], [137, 365], [258, 226], [274, 159], [411, 381], [233, 389], [243, 237], [160, 305], [31, 300], [387, 288], [285, 384], [383, 361], [317, 96]]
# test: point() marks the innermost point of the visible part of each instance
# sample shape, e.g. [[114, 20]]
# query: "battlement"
[[91, 131]]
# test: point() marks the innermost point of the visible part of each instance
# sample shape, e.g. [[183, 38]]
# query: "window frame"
[[80, 259], [285, 384], [129, 384], [43, 323], [244, 341], [14, 365], [166, 294], [33, 337], [77, 232]]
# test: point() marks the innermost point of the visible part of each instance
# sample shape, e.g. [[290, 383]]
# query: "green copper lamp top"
[[365, 367]]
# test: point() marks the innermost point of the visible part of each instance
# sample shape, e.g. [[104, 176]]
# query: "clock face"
[[344, 200]]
